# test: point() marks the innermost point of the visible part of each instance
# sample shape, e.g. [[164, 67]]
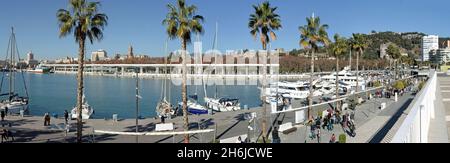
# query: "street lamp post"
[[137, 106]]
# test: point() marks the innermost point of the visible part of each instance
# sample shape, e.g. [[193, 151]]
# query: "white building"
[[440, 56], [30, 61], [430, 42], [99, 55]]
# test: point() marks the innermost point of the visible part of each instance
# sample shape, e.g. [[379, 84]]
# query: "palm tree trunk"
[[395, 69], [311, 85], [337, 83], [80, 89], [184, 92], [264, 112]]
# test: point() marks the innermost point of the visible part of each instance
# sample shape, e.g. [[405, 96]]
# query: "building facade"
[[30, 61], [440, 56], [429, 43], [99, 55]]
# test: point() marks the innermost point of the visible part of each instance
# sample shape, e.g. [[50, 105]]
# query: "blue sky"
[[138, 22]]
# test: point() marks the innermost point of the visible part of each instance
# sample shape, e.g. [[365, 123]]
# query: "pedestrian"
[[275, 136], [4, 135], [66, 116], [6, 111], [45, 119], [49, 117], [2, 115], [333, 139], [163, 119], [318, 135]]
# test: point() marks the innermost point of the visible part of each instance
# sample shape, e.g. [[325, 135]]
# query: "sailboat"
[[14, 103], [193, 106], [221, 104], [86, 111], [164, 108]]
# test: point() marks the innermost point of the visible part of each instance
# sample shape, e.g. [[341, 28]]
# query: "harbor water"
[[55, 93]]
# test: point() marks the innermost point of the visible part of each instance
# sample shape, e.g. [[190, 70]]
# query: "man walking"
[[2, 114], [66, 116]]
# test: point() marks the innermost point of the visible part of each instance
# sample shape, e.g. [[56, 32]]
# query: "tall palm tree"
[[181, 21], [84, 20], [338, 49], [394, 51], [359, 44], [263, 22], [313, 35]]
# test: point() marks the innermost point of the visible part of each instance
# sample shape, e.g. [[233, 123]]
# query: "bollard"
[[396, 97]]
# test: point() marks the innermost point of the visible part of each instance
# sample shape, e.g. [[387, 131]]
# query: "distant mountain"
[[409, 41]]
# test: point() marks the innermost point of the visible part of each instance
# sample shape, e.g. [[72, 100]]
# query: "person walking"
[[2, 114], [163, 119], [318, 135], [66, 116], [275, 136], [45, 119], [6, 111]]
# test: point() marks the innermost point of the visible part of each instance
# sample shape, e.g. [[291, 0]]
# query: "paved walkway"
[[371, 122], [440, 126]]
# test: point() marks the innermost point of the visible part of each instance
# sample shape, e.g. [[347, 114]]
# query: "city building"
[[30, 61], [446, 44], [429, 43], [130, 52], [383, 48], [99, 55], [440, 56]]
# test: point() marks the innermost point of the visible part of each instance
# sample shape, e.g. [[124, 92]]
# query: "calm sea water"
[[55, 93]]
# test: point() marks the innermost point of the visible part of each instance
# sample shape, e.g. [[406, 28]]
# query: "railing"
[[415, 127]]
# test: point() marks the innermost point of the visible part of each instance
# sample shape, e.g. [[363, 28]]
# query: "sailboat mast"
[[215, 54], [11, 74]]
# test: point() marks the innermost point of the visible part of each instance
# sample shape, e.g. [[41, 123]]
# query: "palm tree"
[[264, 22], [84, 20], [338, 48], [181, 21], [393, 51], [359, 44], [313, 35]]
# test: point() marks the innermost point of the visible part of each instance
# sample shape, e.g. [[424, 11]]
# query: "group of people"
[[328, 121]]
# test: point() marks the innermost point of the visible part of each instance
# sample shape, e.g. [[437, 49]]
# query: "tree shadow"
[[141, 128]]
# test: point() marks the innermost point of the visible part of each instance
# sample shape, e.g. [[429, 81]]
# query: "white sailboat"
[[221, 104], [14, 103], [164, 107], [86, 111]]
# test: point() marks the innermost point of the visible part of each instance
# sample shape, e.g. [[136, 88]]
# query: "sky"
[[138, 23]]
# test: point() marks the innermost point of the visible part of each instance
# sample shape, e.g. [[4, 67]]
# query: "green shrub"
[[377, 84], [421, 85], [342, 138], [399, 85]]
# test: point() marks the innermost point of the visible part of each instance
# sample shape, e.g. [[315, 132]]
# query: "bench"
[[164, 127], [286, 128]]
